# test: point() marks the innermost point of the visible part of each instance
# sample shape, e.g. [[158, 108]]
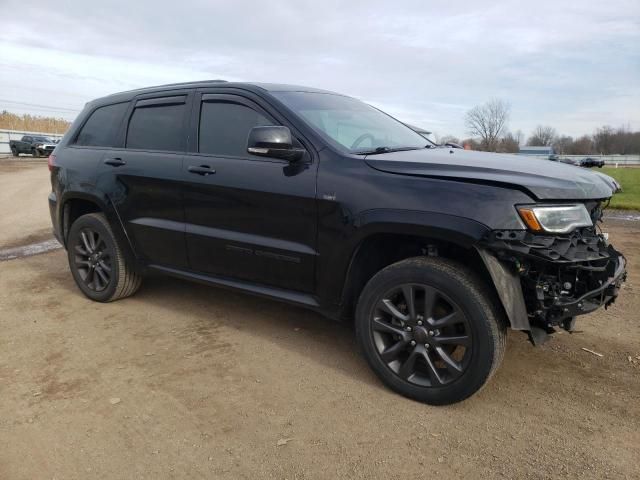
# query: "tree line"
[[32, 123], [488, 126]]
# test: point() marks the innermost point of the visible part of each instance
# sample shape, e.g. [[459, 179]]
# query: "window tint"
[[224, 127], [157, 127], [103, 125]]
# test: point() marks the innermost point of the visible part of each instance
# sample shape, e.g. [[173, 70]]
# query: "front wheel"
[[96, 261], [36, 153], [430, 330], [14, 151]]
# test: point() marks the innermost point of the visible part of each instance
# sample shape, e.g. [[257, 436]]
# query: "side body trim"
[[229, 235], [256, 289]]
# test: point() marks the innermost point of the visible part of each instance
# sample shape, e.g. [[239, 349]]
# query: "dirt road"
[[186, 381], [24, 189]]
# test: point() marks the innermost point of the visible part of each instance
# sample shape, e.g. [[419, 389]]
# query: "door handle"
[[115, 162], [203, 170]]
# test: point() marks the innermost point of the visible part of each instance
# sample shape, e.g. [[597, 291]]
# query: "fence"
[[7, 135], [609, 160]]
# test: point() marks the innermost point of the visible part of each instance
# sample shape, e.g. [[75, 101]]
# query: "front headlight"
[[555, 218]]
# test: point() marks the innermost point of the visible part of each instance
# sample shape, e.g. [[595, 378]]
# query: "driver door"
[[247, 217]]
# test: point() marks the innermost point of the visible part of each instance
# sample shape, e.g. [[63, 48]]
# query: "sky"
[[571, 65]]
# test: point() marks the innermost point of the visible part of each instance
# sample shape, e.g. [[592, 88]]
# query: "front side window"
[[224, 127], [157, 127], [101, 128], [349, 124]]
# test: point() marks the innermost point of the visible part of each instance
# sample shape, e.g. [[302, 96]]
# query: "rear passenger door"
[[143, 176], [247, 217]]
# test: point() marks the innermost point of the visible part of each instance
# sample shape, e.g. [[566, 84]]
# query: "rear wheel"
[[429, 330], [14, 151], [96, 261]]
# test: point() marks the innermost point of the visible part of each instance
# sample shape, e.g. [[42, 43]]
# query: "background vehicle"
[[587, 162], [320, 200], [36, 145], [593, 162]]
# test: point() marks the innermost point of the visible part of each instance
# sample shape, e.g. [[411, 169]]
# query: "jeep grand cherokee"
[[320, 200]]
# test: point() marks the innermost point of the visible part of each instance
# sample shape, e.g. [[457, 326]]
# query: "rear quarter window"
[[101, 129]]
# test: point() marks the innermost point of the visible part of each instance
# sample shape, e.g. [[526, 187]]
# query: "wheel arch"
[[76, 204], [390, 236]]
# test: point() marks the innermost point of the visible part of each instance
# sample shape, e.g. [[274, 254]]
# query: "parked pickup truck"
[[36, 145], [320, 200]]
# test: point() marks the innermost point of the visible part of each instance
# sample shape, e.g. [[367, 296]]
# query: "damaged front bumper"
[[545, 281]]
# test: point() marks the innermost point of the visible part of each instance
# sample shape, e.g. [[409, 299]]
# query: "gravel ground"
[[186, 381]]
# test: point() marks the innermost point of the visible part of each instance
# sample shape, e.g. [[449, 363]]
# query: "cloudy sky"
[[574, 65]]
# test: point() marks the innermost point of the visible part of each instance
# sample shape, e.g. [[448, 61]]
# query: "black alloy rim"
[[93, 260], [421, 335]]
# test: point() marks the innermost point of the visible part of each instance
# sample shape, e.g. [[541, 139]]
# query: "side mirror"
[[273, 141]]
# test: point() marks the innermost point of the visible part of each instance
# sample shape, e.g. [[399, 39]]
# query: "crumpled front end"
[[561, 276]]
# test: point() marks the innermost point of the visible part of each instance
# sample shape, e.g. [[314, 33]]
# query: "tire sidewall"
[[482, 351], [89, 221]]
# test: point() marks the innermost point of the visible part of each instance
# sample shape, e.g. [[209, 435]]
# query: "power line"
[[47, 107]]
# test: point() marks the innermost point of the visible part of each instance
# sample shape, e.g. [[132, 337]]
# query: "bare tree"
[[542, 136], [582, 146], [603, 140], [519, 137], [563, 144], [509, 143], [447, 139], [488, 122]]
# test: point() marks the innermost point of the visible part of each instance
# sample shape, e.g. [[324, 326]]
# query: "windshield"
[[42, 139], [351, 125]]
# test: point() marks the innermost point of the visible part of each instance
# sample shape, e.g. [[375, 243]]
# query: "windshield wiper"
[[379, 150]]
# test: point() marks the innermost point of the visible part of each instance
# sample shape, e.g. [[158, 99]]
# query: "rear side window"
[[101, 128], [157, 127], [225, 126]]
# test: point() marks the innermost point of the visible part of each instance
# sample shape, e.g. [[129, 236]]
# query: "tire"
[[94, 254], [464, 334], [36, 153], [14, 152]]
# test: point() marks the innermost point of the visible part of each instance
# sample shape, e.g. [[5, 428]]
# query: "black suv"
[[323, 201]]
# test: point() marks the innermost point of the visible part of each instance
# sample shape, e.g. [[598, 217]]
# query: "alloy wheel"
[[422, 335], [92, 260]]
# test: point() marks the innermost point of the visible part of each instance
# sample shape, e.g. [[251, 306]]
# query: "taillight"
[[51, 162]]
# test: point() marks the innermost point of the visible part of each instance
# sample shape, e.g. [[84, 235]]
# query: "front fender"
[[338, 253], [451, 228]]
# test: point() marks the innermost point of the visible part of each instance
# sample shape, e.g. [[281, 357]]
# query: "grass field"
[[629, 178]]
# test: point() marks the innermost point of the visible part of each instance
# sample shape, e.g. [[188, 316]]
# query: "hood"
[[544, 179]]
